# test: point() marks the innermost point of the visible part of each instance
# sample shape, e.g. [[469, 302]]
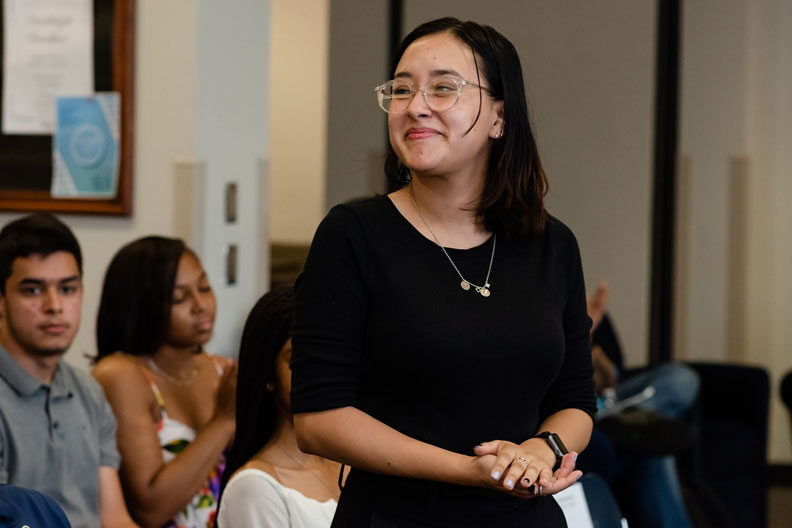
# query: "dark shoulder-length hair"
[[137, 296], [267, 329], [512, 201]]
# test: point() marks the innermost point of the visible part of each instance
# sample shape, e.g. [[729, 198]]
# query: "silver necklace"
[[302, 466], [179, 383], [465, 284]]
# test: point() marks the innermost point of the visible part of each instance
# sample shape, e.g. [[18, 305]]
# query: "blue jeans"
[[676, 388], [654, 482], [655, 493]]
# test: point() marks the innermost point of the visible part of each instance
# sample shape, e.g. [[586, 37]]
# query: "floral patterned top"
[[174, 436]]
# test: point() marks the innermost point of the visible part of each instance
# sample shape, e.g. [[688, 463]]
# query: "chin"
[[198, 343], [419, 165], [426, 163], [423, 159], [49, 351]]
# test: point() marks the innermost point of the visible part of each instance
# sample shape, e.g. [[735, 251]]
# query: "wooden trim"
[[123, 82]]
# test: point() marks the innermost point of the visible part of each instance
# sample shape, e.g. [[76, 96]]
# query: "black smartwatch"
[[555, 443]]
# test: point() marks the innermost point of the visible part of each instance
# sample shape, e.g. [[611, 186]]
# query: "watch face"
[[557, 445]]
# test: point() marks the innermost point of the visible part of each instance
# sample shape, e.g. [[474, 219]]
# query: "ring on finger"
[[524, 461], [540, 490]]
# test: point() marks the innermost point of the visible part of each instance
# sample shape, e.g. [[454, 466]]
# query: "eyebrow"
[[187, 285], [433, 73], [39, 282]]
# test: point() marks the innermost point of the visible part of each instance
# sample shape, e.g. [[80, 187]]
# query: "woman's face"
[[283, 375], [430, 142], [193, 308]]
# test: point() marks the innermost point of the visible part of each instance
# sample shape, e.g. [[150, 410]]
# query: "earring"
[[270, 387]]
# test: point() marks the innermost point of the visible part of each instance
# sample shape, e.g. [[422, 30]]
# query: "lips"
[[421, 133], [54, 328], [204, 325]]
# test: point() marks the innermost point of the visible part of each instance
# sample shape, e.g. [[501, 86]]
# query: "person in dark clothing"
[[27, 507], [441, 342], [636, 455]]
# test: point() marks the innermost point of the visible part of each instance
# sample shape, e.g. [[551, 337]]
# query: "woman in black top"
[[439, 328]]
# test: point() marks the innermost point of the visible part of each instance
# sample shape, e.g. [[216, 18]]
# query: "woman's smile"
[[421, 133]]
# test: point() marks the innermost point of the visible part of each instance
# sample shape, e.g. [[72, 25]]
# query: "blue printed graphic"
[[85, 146]]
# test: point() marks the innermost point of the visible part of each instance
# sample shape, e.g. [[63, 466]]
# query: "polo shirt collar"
[[62, 385], [17, 377]]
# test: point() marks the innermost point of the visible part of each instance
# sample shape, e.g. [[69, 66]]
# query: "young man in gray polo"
[[57, 431]]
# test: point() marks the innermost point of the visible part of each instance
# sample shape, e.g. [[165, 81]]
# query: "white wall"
[[712, 129], [736, 81], [169, 107], [358, 61], [589, 72], [298, 117], [231, 136]]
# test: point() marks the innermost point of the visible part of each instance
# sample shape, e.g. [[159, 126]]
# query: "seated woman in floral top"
[[175, 404]]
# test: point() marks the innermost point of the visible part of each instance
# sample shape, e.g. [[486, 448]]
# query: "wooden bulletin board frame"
[[114, 21]]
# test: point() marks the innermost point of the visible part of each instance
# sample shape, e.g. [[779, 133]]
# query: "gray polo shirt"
[[54, 438]]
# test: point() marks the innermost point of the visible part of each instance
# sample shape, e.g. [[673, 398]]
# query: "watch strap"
[[555, 443]]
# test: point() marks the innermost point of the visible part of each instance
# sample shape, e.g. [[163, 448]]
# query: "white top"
[[254, 499]]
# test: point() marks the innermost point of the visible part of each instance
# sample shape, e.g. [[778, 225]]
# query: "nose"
[[200, 301], [418, 106], [52, 301]]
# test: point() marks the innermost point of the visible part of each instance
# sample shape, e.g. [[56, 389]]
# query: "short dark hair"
[[137, 295], [37, 234], [515, 186], [267, 329]]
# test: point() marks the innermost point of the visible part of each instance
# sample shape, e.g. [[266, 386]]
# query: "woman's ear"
[[496, 130]]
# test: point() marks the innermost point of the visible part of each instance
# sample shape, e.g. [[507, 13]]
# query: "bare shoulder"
[[120, 375], [116, 366]]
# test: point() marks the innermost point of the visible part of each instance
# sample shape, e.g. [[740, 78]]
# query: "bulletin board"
[[26, 160]]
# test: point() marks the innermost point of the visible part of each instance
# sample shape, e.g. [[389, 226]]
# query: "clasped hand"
[[521, 469]]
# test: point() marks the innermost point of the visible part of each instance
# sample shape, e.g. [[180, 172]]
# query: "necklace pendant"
[[484, 292], [465, 285]]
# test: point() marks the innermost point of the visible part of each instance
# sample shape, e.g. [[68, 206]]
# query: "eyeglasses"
[[440, 94]]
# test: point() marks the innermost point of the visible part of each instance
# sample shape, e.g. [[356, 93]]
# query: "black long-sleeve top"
[[382, 324]]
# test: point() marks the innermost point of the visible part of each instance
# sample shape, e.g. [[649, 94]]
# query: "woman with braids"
[[174, 403], [441, 341], [272, 483]]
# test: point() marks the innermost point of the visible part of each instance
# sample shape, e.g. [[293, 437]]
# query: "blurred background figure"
[[174, 403], [633, 449], [272, 483]]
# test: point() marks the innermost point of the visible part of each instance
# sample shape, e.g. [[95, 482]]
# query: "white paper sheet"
[[573, 503], [48, 51]]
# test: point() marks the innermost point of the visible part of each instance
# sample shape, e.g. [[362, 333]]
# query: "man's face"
[[40, 311]]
